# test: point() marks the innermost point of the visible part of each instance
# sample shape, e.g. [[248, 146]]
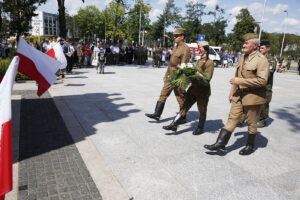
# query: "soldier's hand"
[[234, 81], [230, 98]]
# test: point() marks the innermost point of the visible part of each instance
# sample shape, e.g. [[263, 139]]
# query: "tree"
[[114, 21], [90, 21], [62, 17], [216, 32], [20, 13], [245, 24], [169, 17], [192, 21], [132, 27]]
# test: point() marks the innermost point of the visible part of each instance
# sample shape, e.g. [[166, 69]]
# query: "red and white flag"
[[6, 128], [57, 53], [37, 65]]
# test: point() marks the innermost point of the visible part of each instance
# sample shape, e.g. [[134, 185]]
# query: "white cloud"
[[161, 2], [73, 6], [279, 8], [235, 10], [291, 22], [154, 13], [211, 3], [191, 1], [106, 2], [233, 21]]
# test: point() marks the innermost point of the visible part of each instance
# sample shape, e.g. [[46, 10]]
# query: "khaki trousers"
[[237, 110], [166, 91]]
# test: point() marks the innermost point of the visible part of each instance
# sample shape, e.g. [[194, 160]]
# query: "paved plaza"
[[129, 156]]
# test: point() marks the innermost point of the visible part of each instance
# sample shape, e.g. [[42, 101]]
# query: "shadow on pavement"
[[42, 128], [211, 126], [291, 115], [76, 77], [74, 84]]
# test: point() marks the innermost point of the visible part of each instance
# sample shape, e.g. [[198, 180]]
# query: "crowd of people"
[[4, 49]]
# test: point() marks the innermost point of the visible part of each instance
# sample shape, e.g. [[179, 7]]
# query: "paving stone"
[[48, 167]]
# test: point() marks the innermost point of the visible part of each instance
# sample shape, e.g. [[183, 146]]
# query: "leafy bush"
[[4, 63]]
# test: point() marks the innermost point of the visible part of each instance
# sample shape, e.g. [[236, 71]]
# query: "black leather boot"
[[183, 120], [158, 111], [173, 126], [198, 131], [250, 146], [221, 142]]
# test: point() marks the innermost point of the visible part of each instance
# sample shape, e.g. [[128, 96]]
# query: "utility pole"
[[262, 19], [283, 34], [140, 24], [164, 39]]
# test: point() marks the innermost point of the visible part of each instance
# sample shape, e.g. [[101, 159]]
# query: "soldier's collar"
[[252, 55]]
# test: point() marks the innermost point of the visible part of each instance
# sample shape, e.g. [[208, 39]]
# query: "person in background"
[[79, 54], [102, 59], [87, 55], [264, 113]]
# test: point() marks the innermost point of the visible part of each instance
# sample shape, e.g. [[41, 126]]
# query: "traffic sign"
[[201, 38]]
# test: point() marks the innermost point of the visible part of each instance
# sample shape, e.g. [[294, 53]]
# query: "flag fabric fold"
[[37, 65], [6, 128], [57, 53]]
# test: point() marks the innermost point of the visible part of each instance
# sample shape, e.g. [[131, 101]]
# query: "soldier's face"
[[178, 38], [264, 50], [202, 52], [249, 47]]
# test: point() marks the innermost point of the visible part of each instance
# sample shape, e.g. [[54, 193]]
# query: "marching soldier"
[[198, 92], [264, 114], [181, 54], [248, 93]]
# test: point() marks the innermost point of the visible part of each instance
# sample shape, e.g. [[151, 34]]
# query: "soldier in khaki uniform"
[[181, 54], [198, 92], [247, 94], [264, 113]]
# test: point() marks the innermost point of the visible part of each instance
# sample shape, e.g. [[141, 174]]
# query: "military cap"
[[249, 36], [265, 43], [202, 43], [179, 31]]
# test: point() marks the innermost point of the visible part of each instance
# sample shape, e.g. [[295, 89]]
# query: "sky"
[[275, 19]]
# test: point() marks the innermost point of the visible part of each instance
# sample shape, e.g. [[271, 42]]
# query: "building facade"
[[45, 24]]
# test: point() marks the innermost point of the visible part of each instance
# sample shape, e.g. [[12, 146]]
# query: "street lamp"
[[283, 34], [262, 19], [140, 23]]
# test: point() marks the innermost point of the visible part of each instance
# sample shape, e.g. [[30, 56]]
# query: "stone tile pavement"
[[50, 166]]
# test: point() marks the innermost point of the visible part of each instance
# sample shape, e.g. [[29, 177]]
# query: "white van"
[[213, 53]]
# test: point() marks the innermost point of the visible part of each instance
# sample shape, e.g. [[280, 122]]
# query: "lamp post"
[[262, 19], [283, 35], [140, 24]]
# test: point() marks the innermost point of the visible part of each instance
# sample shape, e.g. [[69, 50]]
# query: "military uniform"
[[247, 97], [181, 54], [157, 57], [200, 93], [264, 113]]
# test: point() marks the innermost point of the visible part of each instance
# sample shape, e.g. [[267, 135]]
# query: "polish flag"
[[37, 66], [57, 53], [6, 128]]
